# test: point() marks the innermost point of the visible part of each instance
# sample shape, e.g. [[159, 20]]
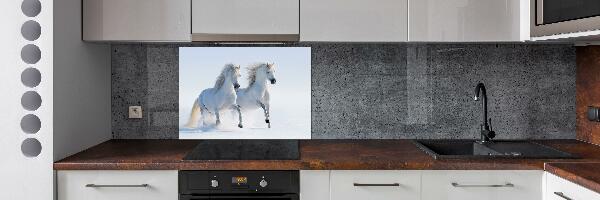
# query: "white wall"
[[82, 99], [77, 74], [23, 177]]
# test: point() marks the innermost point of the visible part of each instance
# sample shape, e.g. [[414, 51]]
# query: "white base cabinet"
[[560, 189], [375, 185], [421, 185], [341, 185], [117, 185], [314, 184], [482, 185]]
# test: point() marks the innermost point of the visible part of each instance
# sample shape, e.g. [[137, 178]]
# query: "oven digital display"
[[239, 180]]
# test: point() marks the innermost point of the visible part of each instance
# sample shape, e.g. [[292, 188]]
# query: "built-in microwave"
[[553, 17]]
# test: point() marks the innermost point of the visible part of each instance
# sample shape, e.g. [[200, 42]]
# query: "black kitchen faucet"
[[487, 134]]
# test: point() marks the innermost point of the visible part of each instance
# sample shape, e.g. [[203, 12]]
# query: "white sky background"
[[290, 96]]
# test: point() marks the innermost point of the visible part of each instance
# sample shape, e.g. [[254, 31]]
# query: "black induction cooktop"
[[245, 150]]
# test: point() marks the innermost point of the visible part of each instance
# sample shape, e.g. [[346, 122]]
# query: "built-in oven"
[[552, 17], [237, 185]]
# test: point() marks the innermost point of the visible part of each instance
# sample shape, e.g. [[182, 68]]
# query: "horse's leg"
[[239, 111], [264, 107], [268, 114], [265, 101], [204, 116], [218, 117]]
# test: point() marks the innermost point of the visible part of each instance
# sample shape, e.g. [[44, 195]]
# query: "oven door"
[[551, 17], [239, 197]]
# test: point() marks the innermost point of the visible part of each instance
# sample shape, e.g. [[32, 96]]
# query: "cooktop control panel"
[[228, 182]]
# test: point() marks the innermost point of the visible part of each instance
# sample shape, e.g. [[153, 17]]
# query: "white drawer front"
[[560, 189], [482, 185], [162, 185], [314, 184], [343, 188]]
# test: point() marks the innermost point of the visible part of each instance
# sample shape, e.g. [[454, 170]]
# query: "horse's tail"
[[194, 117]]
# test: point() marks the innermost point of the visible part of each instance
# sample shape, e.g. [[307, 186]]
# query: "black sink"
[[469, 149]]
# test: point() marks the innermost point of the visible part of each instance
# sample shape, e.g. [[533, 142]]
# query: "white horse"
[[256, 95], [221, 97]]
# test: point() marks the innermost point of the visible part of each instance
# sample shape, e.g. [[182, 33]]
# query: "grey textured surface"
[[147, 76], [374, 91]]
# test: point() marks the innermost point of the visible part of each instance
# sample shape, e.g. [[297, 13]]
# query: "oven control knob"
[[263, 183], [214, 183]]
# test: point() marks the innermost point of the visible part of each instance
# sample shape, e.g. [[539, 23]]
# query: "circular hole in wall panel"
[[31, 124], [31, 8], [31, 54], [31, 30], [31, 77], [31, 100], [31, 147]]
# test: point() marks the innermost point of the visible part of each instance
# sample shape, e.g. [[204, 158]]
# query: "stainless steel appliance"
[[552, 17], [237, 185]]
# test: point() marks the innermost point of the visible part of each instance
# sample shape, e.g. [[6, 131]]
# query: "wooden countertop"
[[584, 174], [314, 155], [331, 155]]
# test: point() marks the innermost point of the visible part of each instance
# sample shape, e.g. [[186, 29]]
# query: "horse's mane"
[[221, 78], [252, 71]]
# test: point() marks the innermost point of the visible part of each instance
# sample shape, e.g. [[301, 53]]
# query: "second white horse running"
[[256, 95]]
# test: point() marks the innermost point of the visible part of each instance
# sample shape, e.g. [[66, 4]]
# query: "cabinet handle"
[[493, 185], [562, 195], [376, 184], [115, 186]]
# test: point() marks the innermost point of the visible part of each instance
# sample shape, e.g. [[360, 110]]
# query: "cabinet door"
[[375, 185], [233, 20], [560, 189], [136, 20], [353, 20], [468, 21], [314, 184], [482, 185], [117, 185]]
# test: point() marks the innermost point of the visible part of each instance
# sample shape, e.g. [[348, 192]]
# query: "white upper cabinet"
[[354, 20], [136, 20], [468, 20], [307, 20], [245, 20]]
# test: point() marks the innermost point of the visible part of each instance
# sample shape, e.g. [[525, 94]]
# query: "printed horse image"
[[256, 95], [219, 98]]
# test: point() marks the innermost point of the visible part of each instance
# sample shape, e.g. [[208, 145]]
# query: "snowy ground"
[[293, 124]]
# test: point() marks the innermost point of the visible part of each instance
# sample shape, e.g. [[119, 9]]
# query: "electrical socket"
[[135, 112]]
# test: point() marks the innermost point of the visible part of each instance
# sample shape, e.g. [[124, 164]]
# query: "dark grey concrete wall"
[[365, 91]]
